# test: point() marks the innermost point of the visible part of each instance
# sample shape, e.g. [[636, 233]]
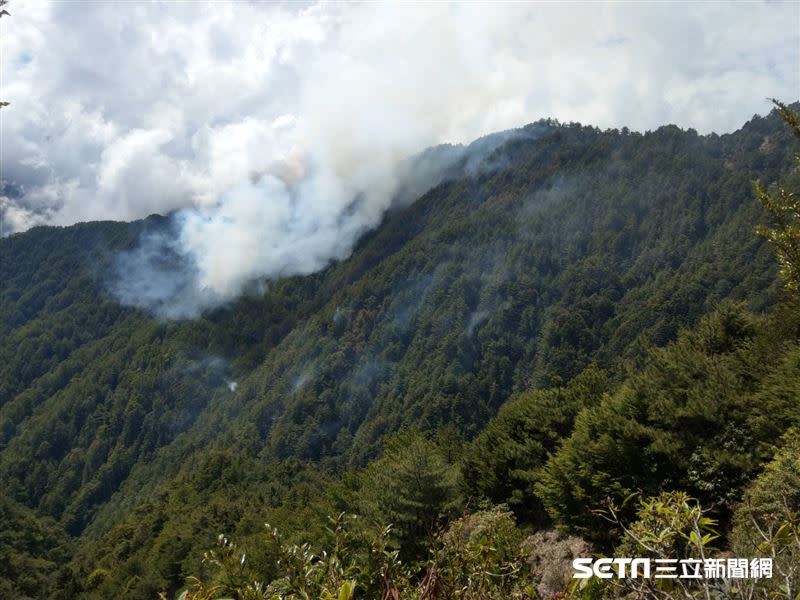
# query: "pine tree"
[[411, 486], [784, 207]]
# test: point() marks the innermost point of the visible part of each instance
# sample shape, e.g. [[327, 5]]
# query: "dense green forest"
[[575, 345]]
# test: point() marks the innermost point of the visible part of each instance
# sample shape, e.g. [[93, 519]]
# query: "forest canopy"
[[587, 318]]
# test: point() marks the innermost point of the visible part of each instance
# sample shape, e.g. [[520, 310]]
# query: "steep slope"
[[564, 246], [586, 245]]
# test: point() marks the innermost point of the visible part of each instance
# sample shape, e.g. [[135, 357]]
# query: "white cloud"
[[124, 109]]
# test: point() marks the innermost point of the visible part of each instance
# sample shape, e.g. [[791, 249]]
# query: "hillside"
[[564, 248]]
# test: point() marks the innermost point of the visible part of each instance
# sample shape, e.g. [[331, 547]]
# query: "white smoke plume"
[[277, 135]]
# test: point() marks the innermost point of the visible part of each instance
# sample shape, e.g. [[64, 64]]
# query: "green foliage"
[[687, 421], [503, 461], [161, 542], [33, 551], [767, 523], [540, 277], [784, 207], [358, 563], [411, 487], [669, 526], [673, 526], [477, 557]]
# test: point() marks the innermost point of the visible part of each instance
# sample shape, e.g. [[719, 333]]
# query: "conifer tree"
[[783, 205]]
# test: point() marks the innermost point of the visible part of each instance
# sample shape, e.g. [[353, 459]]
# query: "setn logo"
[[604, 568], [673, 568]]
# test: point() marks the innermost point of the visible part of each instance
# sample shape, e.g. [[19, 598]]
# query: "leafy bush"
[[767, 523]]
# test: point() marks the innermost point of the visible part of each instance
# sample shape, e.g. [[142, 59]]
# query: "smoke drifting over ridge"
[[272, 226], [276, 136]]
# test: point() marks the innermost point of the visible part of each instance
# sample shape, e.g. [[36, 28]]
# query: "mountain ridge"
[[575, 247]]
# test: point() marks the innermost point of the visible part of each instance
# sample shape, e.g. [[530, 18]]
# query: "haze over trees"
[[582, 318]]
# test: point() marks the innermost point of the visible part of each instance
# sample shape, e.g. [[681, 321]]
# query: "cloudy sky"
[[264, 120]]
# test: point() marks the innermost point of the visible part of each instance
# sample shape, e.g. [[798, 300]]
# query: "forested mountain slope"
[[561, 248]]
